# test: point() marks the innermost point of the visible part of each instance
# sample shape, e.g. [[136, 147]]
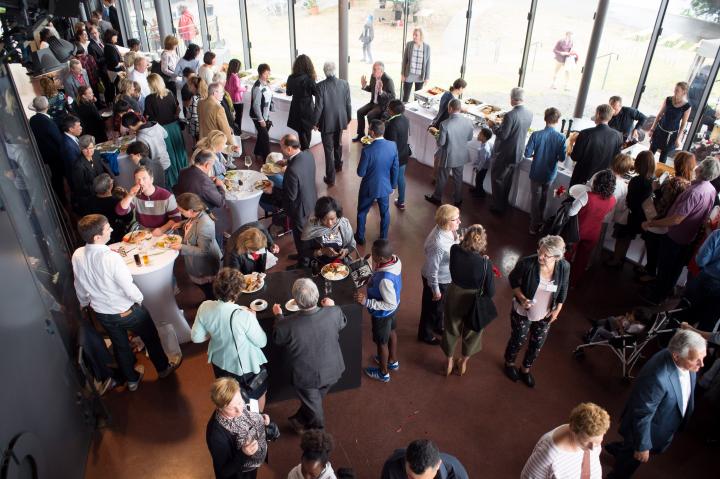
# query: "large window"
[[186, 20], [152, 30], [310, 19], [269, 32], [553, 80], [625, 41], [707, 137], [495, 47], [225, 32]]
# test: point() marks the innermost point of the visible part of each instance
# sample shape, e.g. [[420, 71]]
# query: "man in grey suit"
[[299, 192], [311, 343], [75, 78], [508, 150], [660, 404], [455, 132], [333, 112]]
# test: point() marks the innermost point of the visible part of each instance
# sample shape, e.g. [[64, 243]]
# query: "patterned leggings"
[[521, 326]]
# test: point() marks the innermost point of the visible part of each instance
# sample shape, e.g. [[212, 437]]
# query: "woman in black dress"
[[92, 123], [668, 129], [302, 88], [113, 61]]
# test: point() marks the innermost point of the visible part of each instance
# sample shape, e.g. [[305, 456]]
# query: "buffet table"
[[155, 282], [277, 289]]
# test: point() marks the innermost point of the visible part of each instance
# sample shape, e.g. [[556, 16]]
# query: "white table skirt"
[[155, 282], [243, 204]]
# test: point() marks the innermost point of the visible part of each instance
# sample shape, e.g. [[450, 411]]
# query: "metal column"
[[291, 31], [468, 19], [164, 19], [697, 115], [204, 32], [595, 37], [245, 34], [528, 41], [657, 31], [343, 34]]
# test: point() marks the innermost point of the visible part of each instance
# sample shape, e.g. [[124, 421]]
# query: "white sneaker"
[[133, 385]]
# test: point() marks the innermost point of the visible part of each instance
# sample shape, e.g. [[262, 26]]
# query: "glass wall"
[[269, 32], [151, 25], [707, 138], [309, 21], [495, 47], [225, 31], [186, 20], [132, 20]]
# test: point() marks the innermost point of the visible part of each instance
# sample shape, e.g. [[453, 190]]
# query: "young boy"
[[482, 162], [382, 300]]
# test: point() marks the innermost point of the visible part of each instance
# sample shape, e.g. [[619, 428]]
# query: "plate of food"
[[366, 140], [270, 169], [136, 237], [253, 282], [168, 240], [472, 101], [262, 184], [259, 305], [435, 90], [291, 305], [335, 271]]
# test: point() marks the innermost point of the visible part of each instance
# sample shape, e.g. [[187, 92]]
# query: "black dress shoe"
[[432, 200], [356, 139], [431, 342], [338, 168], [359, 240], [293, 256], [328, 182], [527, 378], [512, 373]]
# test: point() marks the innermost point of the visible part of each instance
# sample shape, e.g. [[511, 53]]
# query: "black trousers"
[[262, 144], [407, 87], [305, 135], [333, 153], [502, 177], [652, 251], [372, 111], [207, 289], [672, 259], [432, 312], [625, 462], [311, 414], [238, 118]]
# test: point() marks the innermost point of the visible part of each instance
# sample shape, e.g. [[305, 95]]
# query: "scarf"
[[248, 426], [315, 229]]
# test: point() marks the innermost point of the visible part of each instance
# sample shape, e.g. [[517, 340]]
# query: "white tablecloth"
[[243, 203], [155, 281]]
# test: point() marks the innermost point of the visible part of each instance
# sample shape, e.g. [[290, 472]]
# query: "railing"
[[607, 65], [534, 48]]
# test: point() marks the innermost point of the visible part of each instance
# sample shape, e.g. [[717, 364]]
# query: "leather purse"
[[483, 310]]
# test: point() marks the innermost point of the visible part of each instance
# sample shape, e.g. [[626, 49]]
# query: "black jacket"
[[241, 262], [98, 53], [593, 151], [81, 178], [92, 123], [302, 89], [397, 129], [394, 467], [526, 276], [387, 93], [193, 180], [113, 60], [627, 120], [299, 189], [162, 110], [226, 457], [470, 270], [49, 139]]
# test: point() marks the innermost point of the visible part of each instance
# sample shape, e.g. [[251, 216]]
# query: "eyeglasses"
[[546, 255]]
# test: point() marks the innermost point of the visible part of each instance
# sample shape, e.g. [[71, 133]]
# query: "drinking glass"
[[328, 288], [248, 162]]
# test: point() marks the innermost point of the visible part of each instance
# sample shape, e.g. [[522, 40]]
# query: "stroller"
[[628, 347]]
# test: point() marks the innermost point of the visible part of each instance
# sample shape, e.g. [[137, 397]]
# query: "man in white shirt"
[[103, 282], [140, 74], [661, 403]]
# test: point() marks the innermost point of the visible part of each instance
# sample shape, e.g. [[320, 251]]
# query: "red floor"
[[486, 421]]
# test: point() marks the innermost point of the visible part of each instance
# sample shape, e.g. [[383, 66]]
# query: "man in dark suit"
[[70, 148], [660, 404], [378, 167], [312, 348], [423, 458], [333, 112], [110, 14], [196, 179], [595, 147], [381, 92], [299, 192], [509, 148], [50, 140], [397, 129]]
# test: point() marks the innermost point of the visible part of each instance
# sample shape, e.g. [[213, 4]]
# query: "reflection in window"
[[707, 139], [186, 19], [268, 28], [225, 32], [152, 31], [132, 20]]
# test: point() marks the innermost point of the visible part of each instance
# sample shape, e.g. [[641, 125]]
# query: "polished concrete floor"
[[488, 422]]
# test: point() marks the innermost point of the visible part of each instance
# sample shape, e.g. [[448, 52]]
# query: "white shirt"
[[141, 78], [685, 387], [547, 461], [103, 280]]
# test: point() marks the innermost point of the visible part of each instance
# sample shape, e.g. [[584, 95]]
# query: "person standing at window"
[[668, 130]]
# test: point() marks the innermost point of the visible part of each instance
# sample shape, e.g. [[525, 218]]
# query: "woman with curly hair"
[[302, 88], [316, 447], [593, 207]]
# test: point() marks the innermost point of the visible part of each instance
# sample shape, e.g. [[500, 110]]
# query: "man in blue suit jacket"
[[70, 148], [378, 169], [660, 404]]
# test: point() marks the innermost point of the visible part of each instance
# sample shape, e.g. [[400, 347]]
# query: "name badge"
[[551, 288], [150, 204]]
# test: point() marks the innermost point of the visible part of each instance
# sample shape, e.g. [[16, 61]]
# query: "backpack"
[[562, 224]]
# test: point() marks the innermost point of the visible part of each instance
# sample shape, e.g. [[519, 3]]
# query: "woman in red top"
[[600, 201]]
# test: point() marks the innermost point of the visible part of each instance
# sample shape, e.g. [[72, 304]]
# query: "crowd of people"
[[174, 190]]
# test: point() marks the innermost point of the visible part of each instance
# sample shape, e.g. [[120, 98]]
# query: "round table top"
[[247, 190], [159, 257]]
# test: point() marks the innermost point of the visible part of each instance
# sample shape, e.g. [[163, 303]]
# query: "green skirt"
[[176, 150]]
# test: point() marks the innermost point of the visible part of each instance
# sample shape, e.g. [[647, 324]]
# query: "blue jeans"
[[140, 323], [401, 184], [364, 205]]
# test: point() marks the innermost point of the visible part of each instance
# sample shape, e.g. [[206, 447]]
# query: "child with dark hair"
[[316, 447], [633, 322], [382, 301], [481, 165]]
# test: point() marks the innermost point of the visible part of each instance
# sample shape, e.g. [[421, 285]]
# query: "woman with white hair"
[[684, 220], [415, 64], [540, 284]]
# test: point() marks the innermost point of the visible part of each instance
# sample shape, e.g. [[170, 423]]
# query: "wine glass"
[[248, 161]]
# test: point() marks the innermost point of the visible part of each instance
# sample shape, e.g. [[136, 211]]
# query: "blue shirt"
[[547, 148], [708, 257], [483, 157]]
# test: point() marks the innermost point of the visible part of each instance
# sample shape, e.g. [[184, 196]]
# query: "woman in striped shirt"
[[571, 451]]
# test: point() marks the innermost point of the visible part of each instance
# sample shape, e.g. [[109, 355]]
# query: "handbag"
[[257, 380], [483, 310]]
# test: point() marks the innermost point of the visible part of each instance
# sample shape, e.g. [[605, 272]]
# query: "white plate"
[[260, 285], [291, 306], [259, 305]]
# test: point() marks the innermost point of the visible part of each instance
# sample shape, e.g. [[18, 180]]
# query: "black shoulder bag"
[[260, 378], [483, 310]]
